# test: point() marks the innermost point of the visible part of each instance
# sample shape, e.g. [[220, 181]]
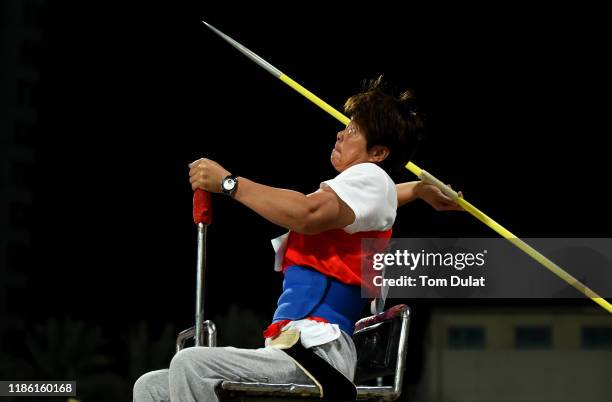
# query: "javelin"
[[428, 178]]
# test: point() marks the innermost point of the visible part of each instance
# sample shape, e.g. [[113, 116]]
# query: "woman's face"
[[351, 148]]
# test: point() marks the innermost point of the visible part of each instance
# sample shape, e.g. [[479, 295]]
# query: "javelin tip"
[[251, 55]]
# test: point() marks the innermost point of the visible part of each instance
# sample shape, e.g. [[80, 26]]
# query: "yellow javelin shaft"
[[536, 255], [506, 234], [314, 99], [427, 177]]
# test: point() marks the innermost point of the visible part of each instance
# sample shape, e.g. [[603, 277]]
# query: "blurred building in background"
[[518, 354]]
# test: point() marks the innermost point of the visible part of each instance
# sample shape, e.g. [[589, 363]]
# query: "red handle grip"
[[202, 207]]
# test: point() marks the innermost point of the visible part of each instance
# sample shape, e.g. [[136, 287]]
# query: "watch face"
[[229, 184]]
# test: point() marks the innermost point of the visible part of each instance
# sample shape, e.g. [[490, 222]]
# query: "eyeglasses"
[[351, 130]]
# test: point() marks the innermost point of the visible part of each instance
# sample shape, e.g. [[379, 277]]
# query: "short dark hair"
[[388, 120]]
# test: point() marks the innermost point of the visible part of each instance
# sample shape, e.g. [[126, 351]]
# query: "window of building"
[[596, 337], [533, 337], [466, 337]]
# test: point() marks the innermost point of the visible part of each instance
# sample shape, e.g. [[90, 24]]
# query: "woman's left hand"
[[207, 175]]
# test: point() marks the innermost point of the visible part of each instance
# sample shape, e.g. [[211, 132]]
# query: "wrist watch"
[[229, 184]]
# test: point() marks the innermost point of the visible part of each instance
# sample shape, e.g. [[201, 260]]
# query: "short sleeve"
[[370, 193]]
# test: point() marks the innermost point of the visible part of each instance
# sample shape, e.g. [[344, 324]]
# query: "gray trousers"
[[195, 372]]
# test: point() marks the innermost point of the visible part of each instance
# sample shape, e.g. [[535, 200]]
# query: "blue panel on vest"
[[303, 289], [307, 292]]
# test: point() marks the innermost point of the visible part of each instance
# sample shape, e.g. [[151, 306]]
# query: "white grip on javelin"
[[431, 179]]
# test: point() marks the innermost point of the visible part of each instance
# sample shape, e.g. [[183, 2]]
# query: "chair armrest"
[[384, 316], [209, 327]]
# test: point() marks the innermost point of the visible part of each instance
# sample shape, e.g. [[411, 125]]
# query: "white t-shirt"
[[369, 191]]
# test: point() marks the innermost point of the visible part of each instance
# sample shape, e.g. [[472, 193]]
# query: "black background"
[[131, 93]]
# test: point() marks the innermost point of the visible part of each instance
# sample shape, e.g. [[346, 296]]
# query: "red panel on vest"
[[335, 253]]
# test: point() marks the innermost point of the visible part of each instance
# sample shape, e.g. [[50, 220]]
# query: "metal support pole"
[[200, 339]]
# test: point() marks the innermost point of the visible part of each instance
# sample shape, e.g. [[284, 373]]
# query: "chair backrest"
[[381, 342]]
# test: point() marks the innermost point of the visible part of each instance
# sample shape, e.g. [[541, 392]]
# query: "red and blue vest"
[[323, 276]]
